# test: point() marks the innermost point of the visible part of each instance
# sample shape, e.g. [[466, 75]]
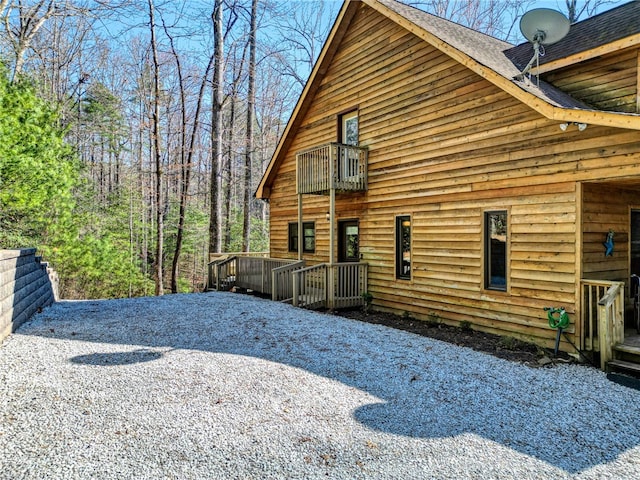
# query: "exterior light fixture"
[[581, 126], [328, 216]]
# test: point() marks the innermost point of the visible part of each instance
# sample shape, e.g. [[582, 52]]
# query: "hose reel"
[[558, 318]]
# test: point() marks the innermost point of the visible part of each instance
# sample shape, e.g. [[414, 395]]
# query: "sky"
[[560, 5]]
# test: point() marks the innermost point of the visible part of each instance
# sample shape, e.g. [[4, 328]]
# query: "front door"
[[348, 241]]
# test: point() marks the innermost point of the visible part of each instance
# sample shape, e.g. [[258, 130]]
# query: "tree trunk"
[[186, 155], [158, 270], [216, 128], [251, 99]]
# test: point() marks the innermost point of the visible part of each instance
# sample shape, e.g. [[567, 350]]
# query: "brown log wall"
[[445, 145]]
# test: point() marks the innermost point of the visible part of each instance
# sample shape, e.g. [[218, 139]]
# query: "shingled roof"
[[607, 27], [483, 49]]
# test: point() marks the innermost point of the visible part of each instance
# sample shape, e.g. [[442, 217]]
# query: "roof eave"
[[627, 42]]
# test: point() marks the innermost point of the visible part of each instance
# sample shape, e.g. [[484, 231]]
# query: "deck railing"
[[591, 293], [282, 281], [610, 321], [338, 285], [310, 286], [349, 285], [333, 165], [255, 273], [222, 273]]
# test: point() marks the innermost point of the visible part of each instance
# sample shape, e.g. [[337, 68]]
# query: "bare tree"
[[157, 150], [186, 151], [576, 9], [216, 127], [251, 100], [303, 29], [29, 20]]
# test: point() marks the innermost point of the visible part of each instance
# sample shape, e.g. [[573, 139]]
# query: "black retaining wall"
[[27, 284]]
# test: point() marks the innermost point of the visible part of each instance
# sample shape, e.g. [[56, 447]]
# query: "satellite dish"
[[542, 26]]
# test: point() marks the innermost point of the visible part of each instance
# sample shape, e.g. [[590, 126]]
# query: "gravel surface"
[[222, 385]]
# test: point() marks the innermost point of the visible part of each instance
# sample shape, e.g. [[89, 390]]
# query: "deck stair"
[[626, 357]]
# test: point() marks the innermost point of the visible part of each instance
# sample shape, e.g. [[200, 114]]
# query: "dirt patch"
[[508, 348]]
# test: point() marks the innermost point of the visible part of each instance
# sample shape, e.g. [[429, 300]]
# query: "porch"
[[326, 285]]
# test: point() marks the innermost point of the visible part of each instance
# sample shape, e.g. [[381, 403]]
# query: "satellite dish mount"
[[542, 26]]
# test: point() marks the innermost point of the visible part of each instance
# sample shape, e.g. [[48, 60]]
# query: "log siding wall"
[[609, 82], [445, 145]]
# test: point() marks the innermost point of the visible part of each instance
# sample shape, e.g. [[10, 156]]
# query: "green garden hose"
[[558, 317]]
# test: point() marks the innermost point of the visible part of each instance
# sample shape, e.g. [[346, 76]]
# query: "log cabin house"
[[419, 167]]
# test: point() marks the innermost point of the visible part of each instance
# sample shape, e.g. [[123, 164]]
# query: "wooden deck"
[[332, 286], [631, 338]]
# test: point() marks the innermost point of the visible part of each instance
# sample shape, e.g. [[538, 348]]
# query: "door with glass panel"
[[348, 241]]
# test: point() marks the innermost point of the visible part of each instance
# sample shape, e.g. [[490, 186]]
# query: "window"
[[309, 237], [348, 126], [495, 259], [403, 247]]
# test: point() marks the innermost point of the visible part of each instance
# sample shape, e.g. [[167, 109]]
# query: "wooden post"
[[603, 337], [331, 286], [332, 203], [580, 316], [296, 288], [638, 86], [300, 230]]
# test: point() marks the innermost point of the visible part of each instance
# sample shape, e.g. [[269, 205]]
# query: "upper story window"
[[348, 126]]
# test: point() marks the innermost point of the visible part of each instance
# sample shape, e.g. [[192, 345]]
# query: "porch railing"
[[333, 165], [339, 285], [255, 273], [222, 273], [610, 321], [591, 293], [282, 281], [349, 284], [310, 286]]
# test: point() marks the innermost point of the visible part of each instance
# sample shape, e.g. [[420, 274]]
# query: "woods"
[[134, 134]]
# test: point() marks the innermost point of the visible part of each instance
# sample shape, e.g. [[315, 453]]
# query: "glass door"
[[348, 241]]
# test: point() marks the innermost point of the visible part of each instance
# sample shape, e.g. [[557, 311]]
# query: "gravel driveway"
[[221, 385]]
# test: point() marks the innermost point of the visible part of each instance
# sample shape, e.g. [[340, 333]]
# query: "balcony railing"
[[332, 166]]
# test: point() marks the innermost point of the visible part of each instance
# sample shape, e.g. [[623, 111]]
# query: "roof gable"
[[483, 54]]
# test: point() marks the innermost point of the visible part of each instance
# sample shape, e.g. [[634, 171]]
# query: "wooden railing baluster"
[[349, 164]]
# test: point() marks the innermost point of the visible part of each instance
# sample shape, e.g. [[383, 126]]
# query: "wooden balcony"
[[333, 166]]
